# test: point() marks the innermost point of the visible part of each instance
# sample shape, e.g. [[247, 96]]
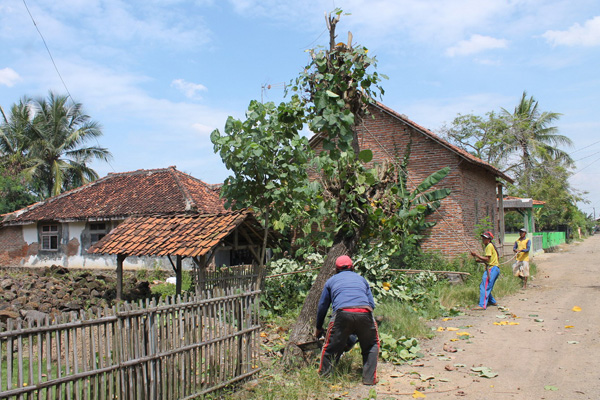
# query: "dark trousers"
[[344, 324]]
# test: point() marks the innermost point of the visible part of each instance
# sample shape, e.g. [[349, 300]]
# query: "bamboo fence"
[[179, 348]]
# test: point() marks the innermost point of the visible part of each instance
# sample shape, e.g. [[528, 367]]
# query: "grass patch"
[[168, 289], [302, 383]]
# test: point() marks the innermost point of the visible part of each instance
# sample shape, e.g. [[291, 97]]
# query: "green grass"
[[301, 383], [26, 378], [168, 289], [399, 319]]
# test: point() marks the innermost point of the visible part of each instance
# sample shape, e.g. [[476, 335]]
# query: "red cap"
[[343, 262], [488, 234]]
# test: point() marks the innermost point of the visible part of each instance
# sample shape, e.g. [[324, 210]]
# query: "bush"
[[284, 294]]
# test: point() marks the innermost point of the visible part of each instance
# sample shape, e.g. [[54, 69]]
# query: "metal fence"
[[178, 348]]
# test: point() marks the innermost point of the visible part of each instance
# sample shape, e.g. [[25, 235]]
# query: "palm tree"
[[15, 130], [55, 156], [532, 136]]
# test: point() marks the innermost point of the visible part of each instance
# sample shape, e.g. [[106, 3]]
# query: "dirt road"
[[538, 345]]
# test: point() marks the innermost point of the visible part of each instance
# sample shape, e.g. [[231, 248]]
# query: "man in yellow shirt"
[[492, 271], [521, 248]]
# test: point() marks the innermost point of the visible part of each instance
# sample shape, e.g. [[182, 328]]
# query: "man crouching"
[[352, 303]]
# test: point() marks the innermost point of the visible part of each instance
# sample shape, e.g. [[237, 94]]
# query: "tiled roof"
[[182, 235], [460, 152], [119, 195]]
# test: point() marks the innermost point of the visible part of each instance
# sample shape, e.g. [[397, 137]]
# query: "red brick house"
[[59, 230], [475, 184]]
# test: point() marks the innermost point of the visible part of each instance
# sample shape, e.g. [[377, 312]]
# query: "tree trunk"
[[304, 328]]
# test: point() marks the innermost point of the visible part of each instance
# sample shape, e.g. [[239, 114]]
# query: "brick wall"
[[13, 247], [473, 189]]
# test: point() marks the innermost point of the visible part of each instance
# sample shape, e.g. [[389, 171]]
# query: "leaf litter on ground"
[[484, 372]]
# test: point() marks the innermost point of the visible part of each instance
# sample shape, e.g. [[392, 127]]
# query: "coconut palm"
[[15, 130], [532, 136], [56, 157]]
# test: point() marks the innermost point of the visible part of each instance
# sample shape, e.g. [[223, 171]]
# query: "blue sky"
[[161, 75]]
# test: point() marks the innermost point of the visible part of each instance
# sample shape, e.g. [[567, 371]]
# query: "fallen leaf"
[[454, 340], [451, 329], [463, 333], [484, 372], [459, 365], [446, 319], [538, 320], [418, 395], [449, 348], [449, 368], [513, 323], [573, 342], [533, 315], [444, 380], [440, 329], [569, 326], [576, 309], [501, 316], [550, 387]]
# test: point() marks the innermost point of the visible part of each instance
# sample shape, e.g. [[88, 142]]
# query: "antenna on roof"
[[268, 86]]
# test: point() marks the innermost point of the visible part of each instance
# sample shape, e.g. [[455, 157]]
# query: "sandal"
[[478, 308]]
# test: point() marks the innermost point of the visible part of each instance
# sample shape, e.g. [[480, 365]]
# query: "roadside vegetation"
[[405, 311]]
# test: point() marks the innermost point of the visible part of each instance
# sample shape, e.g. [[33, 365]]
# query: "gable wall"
[[453, 234]]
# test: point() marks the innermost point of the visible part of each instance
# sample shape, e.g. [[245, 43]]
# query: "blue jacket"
[[346, 289]]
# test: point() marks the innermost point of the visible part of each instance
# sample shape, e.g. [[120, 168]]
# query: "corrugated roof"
[[181, 235], [119, 195], [512, 201]]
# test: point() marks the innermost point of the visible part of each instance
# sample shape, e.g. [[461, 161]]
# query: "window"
[[50, 237], [97, 231]]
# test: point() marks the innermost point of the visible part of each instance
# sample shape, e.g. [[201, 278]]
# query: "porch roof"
[[180, 235]]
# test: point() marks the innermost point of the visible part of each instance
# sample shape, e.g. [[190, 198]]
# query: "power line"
[[597, 159], [56, 67], [589, 145], [583, 158], [48, 49]]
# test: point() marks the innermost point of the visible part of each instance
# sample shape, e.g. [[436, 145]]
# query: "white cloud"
[[577, 35], [393, 22], [8, 77], [476, 44], [189, 89]]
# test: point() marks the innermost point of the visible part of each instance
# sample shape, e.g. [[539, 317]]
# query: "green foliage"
[[286, 293], [46, 136], [481, 136], [398, 350], [268, 157], [14, 193], [484, 224], [168, 289], [374, 265]]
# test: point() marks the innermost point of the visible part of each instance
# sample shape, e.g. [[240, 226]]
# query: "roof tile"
[[120, 195]]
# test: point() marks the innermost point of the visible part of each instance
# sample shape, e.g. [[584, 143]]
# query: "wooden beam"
[[120, 259], [178, 273], [252, 247]]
